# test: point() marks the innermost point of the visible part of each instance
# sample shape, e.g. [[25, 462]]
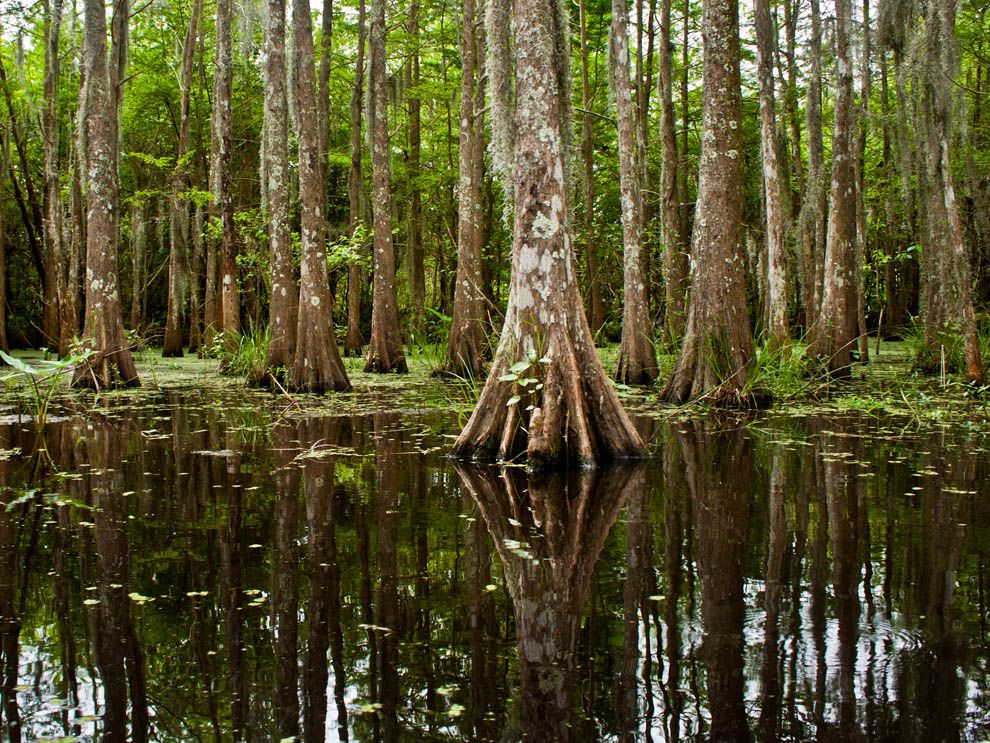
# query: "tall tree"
[[674, 256], [466, 342], [282, 304], [417, 276], [385, 348], [111, 363], [637, 358], [228, 311], [572, 412], [4, 156], [55, 300], [946, 290], [317, 366], [596, 310], [836, 329], [353, 341], [718, 344], [773, 196], [813, 207], [178, 261]]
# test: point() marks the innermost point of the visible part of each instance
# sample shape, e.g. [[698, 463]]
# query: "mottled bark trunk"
[[675, 259], [228, 308], [55, 305], [813, 210], [862, 246], [466, 343], [178, 260], [947, 303], [773, 197], [718, 344], [353, 341], [195, 279], [596, 309], [417, 276], [323, 89], [103, 329], [833, 337], [385, 352], [317, 366], [637, 358], [547, 394], [282, 305], [139, 239]]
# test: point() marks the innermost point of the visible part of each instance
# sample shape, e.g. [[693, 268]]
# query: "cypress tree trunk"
[[596, 310], [675, 259], [718, 344], [139, 239], [228, 310], [353, 341], [282, 305], [385, 348], [55, 309], [835, 332], [812, 220], [569, 411], [466, 343], [4, 345], [178, 274], [103, 329], [637, 358], [317, 366], [776, 265], [195, 272], [417, 277]]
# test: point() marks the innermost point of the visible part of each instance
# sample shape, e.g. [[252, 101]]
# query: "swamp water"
[[214, 565]]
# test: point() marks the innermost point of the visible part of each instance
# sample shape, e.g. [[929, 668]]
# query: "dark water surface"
[[202, 567]]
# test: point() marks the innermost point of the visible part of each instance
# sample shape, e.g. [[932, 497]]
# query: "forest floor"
[[886, 387]]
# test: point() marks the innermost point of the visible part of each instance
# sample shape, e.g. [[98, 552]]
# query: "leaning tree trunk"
[[385, 348], [178, 274], [675, 260], [317, 366], [282, 304], [353, 342], [718, 344], [637, 357], [946, 281], [547, 394], [776, 265], [466, 342], [836, 329], [110, 363]]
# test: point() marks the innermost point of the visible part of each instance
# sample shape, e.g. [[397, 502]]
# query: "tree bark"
[[282, 305], [675, 259], [228, 309], [353, 341], [4, 344], [111, 363], [833, 337], [317, 366], [776, 265], [55, 300], [861, 236], [813, 209], [637, 358], [467, 339], [385, 348], [417, 277], [558, 405], [139, 240], [718, 344], [178, 261], [596, 310]]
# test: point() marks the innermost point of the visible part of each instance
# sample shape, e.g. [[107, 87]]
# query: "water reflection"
[[549, 532], [200, 569]]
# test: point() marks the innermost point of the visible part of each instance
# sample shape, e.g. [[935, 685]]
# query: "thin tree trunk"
[[596, 310], [178, 262], [317, 366], [835, 332], [282, 305], [466, 343], [417, 277], [547, 393], [385, 348], [812, 228], [228, 311], [718, 344], [637, 359], [674, 256], [776, 265], [861, 236], [139, 239], [4, 157], [353, 341], [195, 273], [323, 89], [55, 313], [103, 329]]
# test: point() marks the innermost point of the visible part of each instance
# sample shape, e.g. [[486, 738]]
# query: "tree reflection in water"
[[548, 532]]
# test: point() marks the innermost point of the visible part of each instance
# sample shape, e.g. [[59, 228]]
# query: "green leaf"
[[519, 367], [508, 378], [19, 365], [512, 400]]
